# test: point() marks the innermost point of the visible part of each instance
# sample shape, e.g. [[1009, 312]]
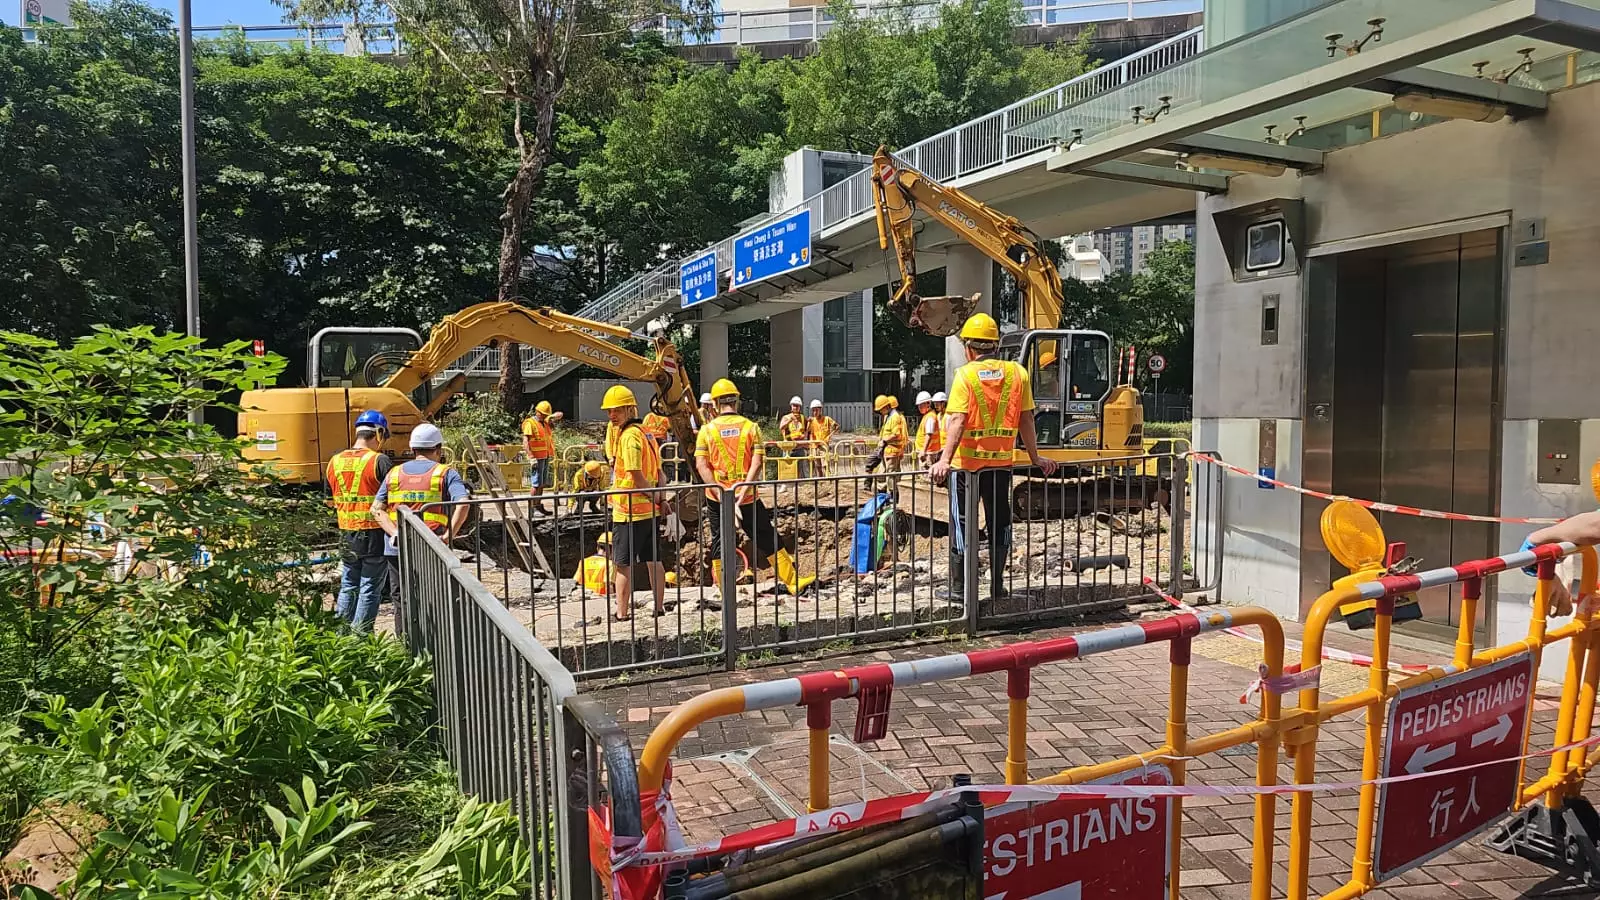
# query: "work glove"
[[1528, 544]]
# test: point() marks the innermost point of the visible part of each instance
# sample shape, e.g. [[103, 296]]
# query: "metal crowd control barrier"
[[1452, 733], [509, 718], [873, 686]]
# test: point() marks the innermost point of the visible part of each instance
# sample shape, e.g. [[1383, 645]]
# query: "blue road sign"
[[772, 249], [697, 278]]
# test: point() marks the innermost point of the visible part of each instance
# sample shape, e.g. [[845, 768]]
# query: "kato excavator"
[[1085, 420], [297, 430]]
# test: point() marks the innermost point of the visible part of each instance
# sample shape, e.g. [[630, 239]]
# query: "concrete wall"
[[1393, 190]]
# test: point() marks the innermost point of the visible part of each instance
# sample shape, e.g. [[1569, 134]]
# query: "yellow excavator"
[[1085, 418], [350, 370]]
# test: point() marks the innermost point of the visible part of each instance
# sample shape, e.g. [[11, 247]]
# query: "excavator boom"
[[900, 191]]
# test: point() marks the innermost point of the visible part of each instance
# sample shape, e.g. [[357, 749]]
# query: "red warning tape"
[[1369, 504], [1289, 644], [905, 806]]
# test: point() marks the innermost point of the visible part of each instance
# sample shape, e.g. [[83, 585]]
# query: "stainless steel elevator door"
[[1440, 400]]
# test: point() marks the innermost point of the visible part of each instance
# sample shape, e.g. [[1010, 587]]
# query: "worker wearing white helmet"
[[708, 409], [792, 429], [929, 437], [820, 429], [415, 484]]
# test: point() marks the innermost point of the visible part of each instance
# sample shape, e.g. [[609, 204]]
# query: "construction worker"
[[414, 484], [708, 409], [657, 426], [596, 571], [892, 440], [590, 478], [930, 436], [354, 476], [539, 439], [792, 427], [635, 535], [820, 429], [991, 405], [728, 451], [941, 421]]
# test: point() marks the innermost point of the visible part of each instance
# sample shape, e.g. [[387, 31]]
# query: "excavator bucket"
[[938, 316]]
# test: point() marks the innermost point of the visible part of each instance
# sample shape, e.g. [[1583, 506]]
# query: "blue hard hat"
[[373, 418]]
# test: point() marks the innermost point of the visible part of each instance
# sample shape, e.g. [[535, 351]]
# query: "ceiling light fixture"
[[1448, 107], [1240, 164]]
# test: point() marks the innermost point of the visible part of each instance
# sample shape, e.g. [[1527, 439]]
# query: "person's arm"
[[380, 511], [1583, 528], [1030, 443], [757, 462], [708, 476], [456, 490]]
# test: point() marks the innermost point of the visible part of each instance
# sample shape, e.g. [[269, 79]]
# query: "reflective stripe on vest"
[[635, 506], [353, 476], [930, 440], [597, 572], [541, 444], [414, 491], [793, 427], [655, 425], [732, 449], [990, 437]]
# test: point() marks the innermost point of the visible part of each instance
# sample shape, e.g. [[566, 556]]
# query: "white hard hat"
[[795, 401], [816, 404], [940, 397], [705, 398], [426, 437], [924, 397]]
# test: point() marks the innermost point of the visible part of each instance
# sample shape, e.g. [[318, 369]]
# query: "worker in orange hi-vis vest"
[[420, 485], [893, 438], [820, 429], [636, 537], [991, 406], [538, 437], [930, 437], [728, 452], [596, 571], [657, 426], [792, 428], [354, 476], [941, 422]]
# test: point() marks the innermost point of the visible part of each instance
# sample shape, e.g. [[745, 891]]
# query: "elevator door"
[[1440, 403]]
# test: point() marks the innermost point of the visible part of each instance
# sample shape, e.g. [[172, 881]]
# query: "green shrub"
[[480, 416]]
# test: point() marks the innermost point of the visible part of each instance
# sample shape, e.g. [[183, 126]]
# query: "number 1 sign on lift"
[[773, 249]]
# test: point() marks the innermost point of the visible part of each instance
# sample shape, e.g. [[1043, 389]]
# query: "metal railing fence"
[[836, 556], [508, 716], [983, 143]]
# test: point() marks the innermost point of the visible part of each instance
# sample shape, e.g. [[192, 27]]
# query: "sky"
[[205, 12]]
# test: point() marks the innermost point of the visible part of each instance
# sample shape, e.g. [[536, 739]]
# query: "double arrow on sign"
[[1425, 755]]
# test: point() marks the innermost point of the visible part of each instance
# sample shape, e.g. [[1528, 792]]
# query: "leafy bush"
[[481, 416]]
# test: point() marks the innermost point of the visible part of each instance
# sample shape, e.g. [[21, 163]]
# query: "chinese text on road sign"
[[772, 249], [1462, 721], [697, 278], [1076, 847]]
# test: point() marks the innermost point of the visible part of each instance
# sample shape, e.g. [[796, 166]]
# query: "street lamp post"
[[191, 214]]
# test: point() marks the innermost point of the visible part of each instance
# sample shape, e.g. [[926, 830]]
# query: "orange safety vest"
[[635, 507], [930, 441], [822, 429], [655, 425], [353, 476], [731, 442], [596, 574], [413, 491], [793, 427], [893, 434], [993, 415], [536, 432]]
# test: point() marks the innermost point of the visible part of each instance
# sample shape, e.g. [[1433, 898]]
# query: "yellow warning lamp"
[[1356, 540]]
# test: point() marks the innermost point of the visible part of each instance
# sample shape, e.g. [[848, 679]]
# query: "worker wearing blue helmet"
[[354, 476]]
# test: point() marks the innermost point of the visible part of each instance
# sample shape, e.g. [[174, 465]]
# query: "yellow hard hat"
[[981, 327], [618, 396], [724, 388], [672, 579], [882, 402], [544, 408], [593, 466], [604, 540]]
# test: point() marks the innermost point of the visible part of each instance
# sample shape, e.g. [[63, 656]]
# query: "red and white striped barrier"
[[905, 806], [1369, 504]]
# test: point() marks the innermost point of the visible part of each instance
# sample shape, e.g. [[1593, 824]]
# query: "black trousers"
[[756, 520]]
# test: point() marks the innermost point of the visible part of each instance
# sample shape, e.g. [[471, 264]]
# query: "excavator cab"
[[1071, 375], [339, 357]]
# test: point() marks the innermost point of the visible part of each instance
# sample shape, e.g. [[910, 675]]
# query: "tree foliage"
[[1152, 311]]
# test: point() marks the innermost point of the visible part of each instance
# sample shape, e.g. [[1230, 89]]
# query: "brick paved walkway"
[[736, 773]]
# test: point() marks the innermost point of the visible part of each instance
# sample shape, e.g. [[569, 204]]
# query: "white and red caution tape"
[[1369, 504], [1289, 644], [905, 806]]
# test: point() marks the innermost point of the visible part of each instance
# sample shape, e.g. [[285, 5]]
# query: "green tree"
[[1152, 311]]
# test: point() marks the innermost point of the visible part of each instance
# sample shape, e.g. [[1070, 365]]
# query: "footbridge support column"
[[966, 272], [713, 353]]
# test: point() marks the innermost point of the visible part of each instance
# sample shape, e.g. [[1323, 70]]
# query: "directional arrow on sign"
[[1073, 891], [1496, 732], [794, 259], [1427, 756]]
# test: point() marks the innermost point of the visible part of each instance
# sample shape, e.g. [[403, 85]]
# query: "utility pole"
[[191, 208]]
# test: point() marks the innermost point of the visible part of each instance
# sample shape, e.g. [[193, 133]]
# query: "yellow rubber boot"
[[716, 572], [788, 575]]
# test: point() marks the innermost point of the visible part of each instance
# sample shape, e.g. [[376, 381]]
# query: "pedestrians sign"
[[772, 249], [1156, 363], [1075, 847], [1457, 723], [697, 278]]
